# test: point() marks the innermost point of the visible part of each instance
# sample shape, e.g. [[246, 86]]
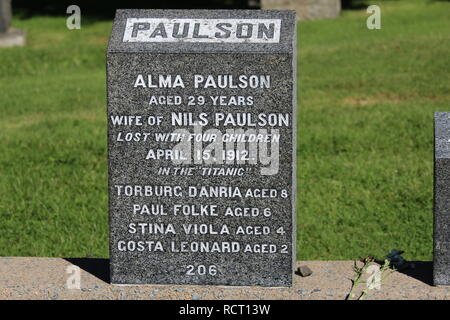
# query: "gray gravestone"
[[5, 15], [441, 259], [306, 9], [9, 37], [201, 144]]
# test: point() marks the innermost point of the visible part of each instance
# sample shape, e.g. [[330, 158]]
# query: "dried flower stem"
[[360, 271]]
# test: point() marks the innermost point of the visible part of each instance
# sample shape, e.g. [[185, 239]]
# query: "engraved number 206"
[[201, 270]]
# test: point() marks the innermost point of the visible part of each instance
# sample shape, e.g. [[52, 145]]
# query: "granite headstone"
[[441, 256], [201, 145]]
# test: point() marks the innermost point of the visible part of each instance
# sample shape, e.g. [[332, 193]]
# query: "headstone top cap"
[[203, 31]]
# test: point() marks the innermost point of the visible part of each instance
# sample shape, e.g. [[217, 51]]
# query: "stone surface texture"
[[127, 164], [306, 9], [45, 278], [441, 272]]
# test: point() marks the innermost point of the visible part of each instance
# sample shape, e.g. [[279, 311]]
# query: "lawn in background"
[[365, 134]]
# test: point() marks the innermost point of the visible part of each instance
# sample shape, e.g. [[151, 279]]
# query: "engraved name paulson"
[[202, 30]]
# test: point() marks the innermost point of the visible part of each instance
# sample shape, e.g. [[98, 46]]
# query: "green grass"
[[365, 138]]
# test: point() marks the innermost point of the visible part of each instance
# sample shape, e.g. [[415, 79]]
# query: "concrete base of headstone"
[[47, 278], [12, 38], [306, 9]]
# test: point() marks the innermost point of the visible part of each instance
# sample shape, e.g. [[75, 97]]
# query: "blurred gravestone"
[[306, 9], [9, 37], [5, 15]]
